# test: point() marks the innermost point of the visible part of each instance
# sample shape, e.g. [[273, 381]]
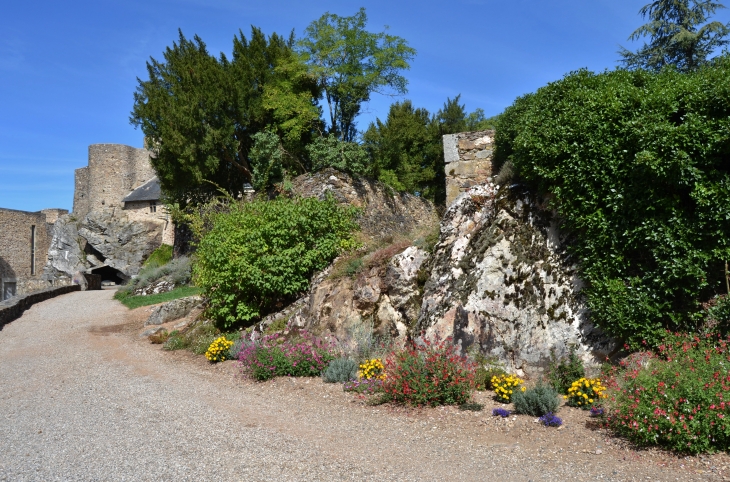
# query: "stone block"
[[451, 153]]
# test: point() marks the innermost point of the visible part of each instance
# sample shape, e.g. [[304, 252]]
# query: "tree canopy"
[[678, 35], [199, 112], [350, 64]]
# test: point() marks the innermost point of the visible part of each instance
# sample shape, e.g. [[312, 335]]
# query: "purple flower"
[[550, 420], [501, 412], [596, 411]]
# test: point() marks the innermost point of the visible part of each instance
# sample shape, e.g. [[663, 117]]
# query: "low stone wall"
[[13, 308]]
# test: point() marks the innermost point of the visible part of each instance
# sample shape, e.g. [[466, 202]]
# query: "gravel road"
[[82, 397]]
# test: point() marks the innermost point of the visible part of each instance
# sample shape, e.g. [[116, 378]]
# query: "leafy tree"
[[636, 165], [350, 64], [678, 36], [406, 149], [199, 113], [345, 156]]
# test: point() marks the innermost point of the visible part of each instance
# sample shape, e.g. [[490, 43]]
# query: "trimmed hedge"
[[637, 165]]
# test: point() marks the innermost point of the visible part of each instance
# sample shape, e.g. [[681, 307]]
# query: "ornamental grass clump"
[[536, 401], [274, 356], [678, 398], [218, 350], [505, 386], [585, 392], [428, 373]]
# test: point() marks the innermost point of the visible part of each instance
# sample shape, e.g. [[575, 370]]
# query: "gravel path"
[[83, 398]]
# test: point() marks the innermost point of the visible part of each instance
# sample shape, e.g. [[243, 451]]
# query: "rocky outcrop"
[[100, 239], [384, 211], [387, 296], [500, 281], [173, 310]]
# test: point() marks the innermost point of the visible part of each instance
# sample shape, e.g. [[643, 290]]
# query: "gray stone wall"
[[81, 190], [468, 157], [113, 171], [16, 253]]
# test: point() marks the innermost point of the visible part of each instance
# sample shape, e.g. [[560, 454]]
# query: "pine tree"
[[678, 35]]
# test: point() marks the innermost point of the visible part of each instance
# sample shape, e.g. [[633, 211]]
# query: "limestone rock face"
[[173, 310], [65, 255], [500, 281], [389, 297], [124, 244], [384, 213], [100, 239]]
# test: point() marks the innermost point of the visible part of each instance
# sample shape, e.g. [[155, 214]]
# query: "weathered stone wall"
[[20, 264], [468, 158], [113, 171], [141, 211], [81, 190]]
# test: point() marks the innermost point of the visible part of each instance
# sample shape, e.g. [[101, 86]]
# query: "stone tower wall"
[[468, 158], [114, 170]]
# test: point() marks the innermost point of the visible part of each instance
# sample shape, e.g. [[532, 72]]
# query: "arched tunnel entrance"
[[108, 273]]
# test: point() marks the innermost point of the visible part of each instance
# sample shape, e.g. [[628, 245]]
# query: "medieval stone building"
[[24, 241]]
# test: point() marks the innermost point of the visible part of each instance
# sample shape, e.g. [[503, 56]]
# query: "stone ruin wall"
[[140, 211], [468, 158], [16, 249], [113, 171]]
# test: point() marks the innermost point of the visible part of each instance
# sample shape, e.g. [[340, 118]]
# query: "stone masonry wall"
[[114, 170], [140, 211], [468, 158], [16, 252]]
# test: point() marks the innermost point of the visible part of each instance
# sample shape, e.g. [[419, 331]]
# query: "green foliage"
[[428, 374], [159, 257], [406, 150], [133, 302], [340, 370], [678, 37], [562, 372], [198, 111], [175, 341], [262, 253], [677, 398], [266, 158], [484, 374], [636, 165], [351, 63], [717, 314], [329, 151], [196, 338], [536, 401]]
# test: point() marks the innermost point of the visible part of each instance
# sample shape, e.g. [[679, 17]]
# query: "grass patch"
[[133, 302]]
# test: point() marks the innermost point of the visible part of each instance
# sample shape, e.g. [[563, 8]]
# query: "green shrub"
[[428, 373], [636, 167], [717, 314], [340, 370], [159, 257], [536, 401], [344, 156], [561, 373], [262, 253], [484, 374], [678, 398], [174, 342]]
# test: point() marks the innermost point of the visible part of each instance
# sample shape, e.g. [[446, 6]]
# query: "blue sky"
[[68, 69]]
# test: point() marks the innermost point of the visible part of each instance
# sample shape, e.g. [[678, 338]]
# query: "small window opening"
[[9, 290], [32, 250], [153, 206]]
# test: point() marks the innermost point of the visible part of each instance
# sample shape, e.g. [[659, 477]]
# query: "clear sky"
[[68, 69]]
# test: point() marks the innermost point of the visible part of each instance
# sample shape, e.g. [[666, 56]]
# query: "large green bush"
[[637, 165], [258, 255]]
